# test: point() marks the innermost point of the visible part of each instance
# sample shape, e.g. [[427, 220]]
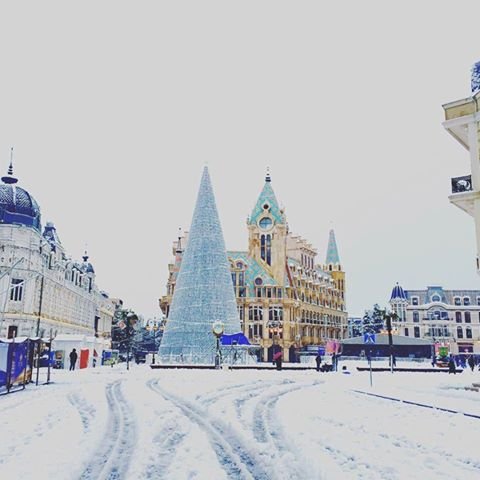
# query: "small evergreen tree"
[[373, 320]]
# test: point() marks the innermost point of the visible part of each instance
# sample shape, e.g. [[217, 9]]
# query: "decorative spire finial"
[[10, 168], [267, 177], [9, 178], [179, 244], [85, 255]]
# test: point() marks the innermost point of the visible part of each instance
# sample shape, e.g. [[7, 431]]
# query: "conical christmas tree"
[[204, 291]]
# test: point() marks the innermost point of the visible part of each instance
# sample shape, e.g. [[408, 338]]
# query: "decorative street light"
[[275, 329], [131, 320], [217, 329], [389, 316]]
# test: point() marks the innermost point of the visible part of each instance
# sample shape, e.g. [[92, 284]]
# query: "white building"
[[41, 288], [462, 121], [450, 317]]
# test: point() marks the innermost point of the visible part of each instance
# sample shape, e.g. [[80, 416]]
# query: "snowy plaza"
[[210, 424]]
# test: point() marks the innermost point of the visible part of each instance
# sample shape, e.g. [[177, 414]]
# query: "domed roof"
[[398, 293], [17, 206]]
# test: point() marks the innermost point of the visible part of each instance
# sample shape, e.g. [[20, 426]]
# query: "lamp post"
[[218, 329], [130, 321], [388, 318], [275, 329]]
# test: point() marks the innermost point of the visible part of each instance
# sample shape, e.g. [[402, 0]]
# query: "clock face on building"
[[265, 223]]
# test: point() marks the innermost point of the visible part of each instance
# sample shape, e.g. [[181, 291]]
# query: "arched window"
[[269, 249], [262, 247], [458, 317], [468, 332], [459, 332], [466, 300]]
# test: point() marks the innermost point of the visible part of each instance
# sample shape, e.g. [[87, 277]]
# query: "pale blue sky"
[[114, 107]]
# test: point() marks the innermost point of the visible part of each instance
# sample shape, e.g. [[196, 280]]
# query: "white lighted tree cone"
[[203, 291]]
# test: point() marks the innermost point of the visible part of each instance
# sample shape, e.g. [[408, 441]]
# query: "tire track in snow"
[[166, 442], [268, 431], [114, 452], [85, 410], [212, 397], [234, 455]]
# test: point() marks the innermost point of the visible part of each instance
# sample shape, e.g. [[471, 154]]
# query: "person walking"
[[452, 367], [73, 359], [471, 362], [334, 362], [277, 358], [318, 360]]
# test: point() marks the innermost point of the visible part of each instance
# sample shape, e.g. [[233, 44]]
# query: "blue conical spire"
[[203, 292], [332, 250]]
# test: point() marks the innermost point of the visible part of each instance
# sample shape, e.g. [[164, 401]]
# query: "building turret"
[[333, 265], [398, 302], [17, 206], [267, 229]]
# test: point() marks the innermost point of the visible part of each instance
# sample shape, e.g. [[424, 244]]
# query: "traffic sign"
[[369, 338]]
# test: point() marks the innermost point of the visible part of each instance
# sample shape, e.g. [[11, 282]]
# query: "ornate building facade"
[[285, 299], [449, 317], [41, 288]]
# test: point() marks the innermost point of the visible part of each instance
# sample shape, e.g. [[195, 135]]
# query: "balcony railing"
[[462, 184]]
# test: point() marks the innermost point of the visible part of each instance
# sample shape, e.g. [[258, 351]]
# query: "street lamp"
[[131, 320], [217, 329], [388, 318], [275, 328]]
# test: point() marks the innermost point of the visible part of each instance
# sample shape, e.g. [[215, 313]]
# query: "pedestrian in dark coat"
[[471, 362], [278, 360], [452, 367], [318, 360], [73, 359]]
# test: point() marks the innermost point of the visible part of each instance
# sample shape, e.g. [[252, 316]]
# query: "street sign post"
[[369, 339]]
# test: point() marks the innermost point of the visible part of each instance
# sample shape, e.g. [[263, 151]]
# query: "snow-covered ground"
[[205, 424]]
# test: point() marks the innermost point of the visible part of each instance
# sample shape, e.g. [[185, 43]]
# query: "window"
[[457, 301], [468, 332], [414, 300], [478, 300], [466, 300], [416, 332], [416, 317], [255, 313], [16, 290], [269, 249], [275, 313], [459, 332], [406, 332], [468, 318], [258, 281], [436, 298], [265, 223], [458, 317]]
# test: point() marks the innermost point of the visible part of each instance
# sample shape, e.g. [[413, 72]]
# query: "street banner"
[[18, 363], [3, 364]]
